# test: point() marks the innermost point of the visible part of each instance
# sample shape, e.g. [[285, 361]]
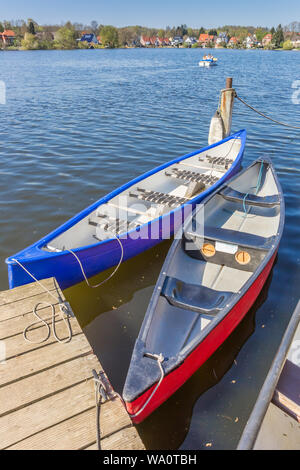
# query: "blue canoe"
[[137, 213]]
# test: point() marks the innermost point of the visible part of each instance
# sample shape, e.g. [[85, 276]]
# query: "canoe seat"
[[235, 237], [111, 225], [192, 176], [249, 199], [158, 198], [219, 162], [194, 297]]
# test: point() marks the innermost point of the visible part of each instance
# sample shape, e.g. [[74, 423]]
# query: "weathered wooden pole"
[[220, 125], [226, 106]]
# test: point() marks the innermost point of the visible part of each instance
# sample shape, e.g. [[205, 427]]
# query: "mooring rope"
[[63, 309], [263, 114], [110, 276], [160, 359]]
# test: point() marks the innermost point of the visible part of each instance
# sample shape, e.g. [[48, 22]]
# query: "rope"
[[264, 115], [160, 359], [110, 276], [100, 397], [64, 312]]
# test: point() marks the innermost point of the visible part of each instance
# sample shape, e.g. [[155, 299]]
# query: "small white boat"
[[208, 62]]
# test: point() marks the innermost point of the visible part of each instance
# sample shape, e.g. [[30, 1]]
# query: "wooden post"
[[226, 106]]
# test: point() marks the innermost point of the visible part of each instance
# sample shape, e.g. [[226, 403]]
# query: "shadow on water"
[[111, 317]]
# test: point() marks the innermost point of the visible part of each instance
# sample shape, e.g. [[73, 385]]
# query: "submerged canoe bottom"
[[177, 377]]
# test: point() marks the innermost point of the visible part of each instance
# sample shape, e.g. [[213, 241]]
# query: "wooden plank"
[[44, 384], [24, 306], [77, 432], [41, 415], [125, 439], [15, 326], [16, 345], [42, 359], [72, 434], [28, 290]]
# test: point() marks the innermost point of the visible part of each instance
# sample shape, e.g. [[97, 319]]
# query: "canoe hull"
[[177, 377]]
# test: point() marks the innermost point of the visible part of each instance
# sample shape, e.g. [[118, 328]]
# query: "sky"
[[156, 13]]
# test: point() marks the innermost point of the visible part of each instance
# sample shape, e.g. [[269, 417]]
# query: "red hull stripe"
[[176, 378]]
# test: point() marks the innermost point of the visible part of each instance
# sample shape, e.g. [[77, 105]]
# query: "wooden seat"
[[219, 162], [158, 198], [192, 176]]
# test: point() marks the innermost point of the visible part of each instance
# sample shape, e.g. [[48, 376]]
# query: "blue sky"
[[156, 13]]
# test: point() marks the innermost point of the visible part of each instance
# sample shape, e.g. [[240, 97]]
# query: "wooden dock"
[[47, 398]]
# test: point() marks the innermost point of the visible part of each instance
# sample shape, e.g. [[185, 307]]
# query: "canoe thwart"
[[250, 199]]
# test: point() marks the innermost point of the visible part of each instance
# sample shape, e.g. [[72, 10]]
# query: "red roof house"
[[7, 37], [205, 38]]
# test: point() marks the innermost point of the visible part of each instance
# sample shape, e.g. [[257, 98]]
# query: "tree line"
[[31, 35]]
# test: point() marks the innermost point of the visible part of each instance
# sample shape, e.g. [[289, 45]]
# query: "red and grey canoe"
[[211, 277]]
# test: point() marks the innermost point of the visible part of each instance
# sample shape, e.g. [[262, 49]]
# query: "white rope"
[[63, 309], [65, 318], [160, 359], [110, 276]]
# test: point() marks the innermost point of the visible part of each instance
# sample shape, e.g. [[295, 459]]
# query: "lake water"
[[76, 125]]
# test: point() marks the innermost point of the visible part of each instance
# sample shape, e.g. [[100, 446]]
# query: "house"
[[222, 38], [145, 41], [154, 41], [232, 41], [267, 39], [204, 39], [7, 37], [250, 41], [177, 41], [89, 37], [190, 41], [295, 40]]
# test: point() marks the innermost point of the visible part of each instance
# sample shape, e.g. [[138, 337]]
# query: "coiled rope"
[[263, 114], [63, 309]]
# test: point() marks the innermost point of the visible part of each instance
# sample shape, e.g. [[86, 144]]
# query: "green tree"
[[109, 36], [260, 34], [287, 45], [278, 36], [31, 28], [65, 38], [213, 32], [1, 28], [29, 42]]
